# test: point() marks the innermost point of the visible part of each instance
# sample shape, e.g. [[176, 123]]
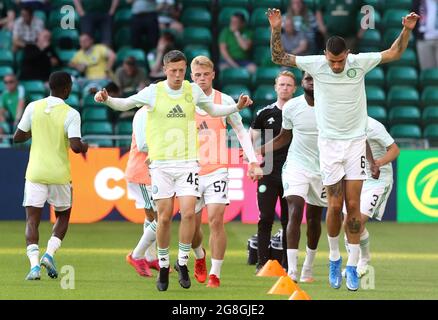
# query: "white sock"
[[184, 253], [216, 266], [199, 252], [53, 245], [149, 236], [292, 261], [310, 258], [151, 252], [334, 255], [365, 246], [146, 224], [346, 243], [353, 255], [163, 257], [33, 253]]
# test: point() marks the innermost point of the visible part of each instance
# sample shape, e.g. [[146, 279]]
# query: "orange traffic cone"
[[272, 269], [299, 295], [284, 285]]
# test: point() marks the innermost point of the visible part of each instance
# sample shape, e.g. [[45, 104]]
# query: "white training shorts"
[[168, 181], [142, 194], [307, 185], [342, 159], [57, 195], [213, 188]]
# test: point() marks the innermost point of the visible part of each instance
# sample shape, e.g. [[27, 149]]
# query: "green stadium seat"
[[138, 54], [124, 128], [5, 143], [40, 15], [430, 115], [266, 4], [233, 3], [264, 95], [375, 95], [196, 17], [197, 3], [407, 76], [6, 58], [403, 96], [5, 127], [371, 38], [246, 115], [71, 71], [197, 35], [101, 143], [429, 96], [258, 18], [431, 132], [122, 18], [392, 33], [60, 3], [73, 101], [5, 70], [298, 75], [226, 13], [123, 143], [97, 127], [408, 131], [265, 75], [239, 76], [235, 90], [298, 92], [65, 38], [122, 37], [34, 97], [378, 113], [5, 40], [262, 57], [55, 19], [95, 114], [398, 4], [429, 77], [409, 58], [405, 114], [76, 89], [66, 55], [311, 4], [33, 86], [392, 18], [263, 37], [191, 51], [376, 77]]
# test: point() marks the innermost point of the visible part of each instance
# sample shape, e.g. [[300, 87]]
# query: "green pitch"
[[404, 258]]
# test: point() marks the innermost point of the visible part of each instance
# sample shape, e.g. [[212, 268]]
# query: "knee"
[[164, 220], [313, 223], [188, 215], [216, 224], [352, 205]]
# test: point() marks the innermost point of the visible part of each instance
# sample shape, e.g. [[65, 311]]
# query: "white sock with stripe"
[[149, 236], [163, 257], [184, 253], [33, 253], [353, 255]]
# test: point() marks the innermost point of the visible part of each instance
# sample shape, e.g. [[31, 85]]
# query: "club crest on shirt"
[[271, 120], [351, 73]]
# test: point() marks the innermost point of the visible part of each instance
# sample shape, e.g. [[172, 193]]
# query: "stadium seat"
[[5, 70], [5, 126], [403, 96], [191, 51], [34, 97], [60, 3], [429, 77], [429, 96], [264, 95], [266, 4], [378, 113], [124, 128], [65, 38], [73, 101], [376, 77], [410, 131], [235, 90], [430, 115], [226, 13], [123, 143], [392, 18], [5, 143], [405, 114], [239, 76], [398, 4], [66, 55], [41, 15], [138, 54], [265, 75], [196, 17], [197, 3], [5, 40], [197, 35], [101, 143], [262, 57], [258, 18], [95, 114], [263, 37], [97, 127], [375, 95], [34, 86], [76, 89], [122, 18], [88, 102], [431, 132], [122, 37], [298, 92], [246, 115], [407, 76], [233, 3], [371, 38], [409, 58], [6, 58], [391, 34]]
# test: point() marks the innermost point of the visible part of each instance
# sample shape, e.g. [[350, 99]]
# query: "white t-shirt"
[[379, 140], [340, 99], [303, 152], [72, 124]]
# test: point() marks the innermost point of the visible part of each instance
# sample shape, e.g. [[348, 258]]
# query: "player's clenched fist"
[[244, 101], [101, 96]]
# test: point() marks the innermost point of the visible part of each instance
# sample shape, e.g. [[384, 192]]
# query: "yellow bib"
[[48, 160], [171, 132]]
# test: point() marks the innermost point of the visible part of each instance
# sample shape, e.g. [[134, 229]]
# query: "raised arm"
[[118, 104], [279, 56], [401, 43]]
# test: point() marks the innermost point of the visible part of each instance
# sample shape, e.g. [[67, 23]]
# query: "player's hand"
[[244, 101], [101, 96], [254, 171], [84, 147], [410, 20], [375, 171], [274, 17]]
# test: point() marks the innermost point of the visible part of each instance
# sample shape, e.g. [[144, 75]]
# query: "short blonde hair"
[[202, 61], [286, 73]]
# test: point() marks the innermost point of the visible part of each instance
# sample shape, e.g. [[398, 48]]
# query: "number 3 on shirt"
[[190, 179]]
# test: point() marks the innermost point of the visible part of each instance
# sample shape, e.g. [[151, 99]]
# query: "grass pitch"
[[404, 257]]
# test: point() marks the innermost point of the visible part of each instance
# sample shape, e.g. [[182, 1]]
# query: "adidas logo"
[[176, 112], [163, 259], [203, 126], [185, 257], [363, 173], [224, 196]]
